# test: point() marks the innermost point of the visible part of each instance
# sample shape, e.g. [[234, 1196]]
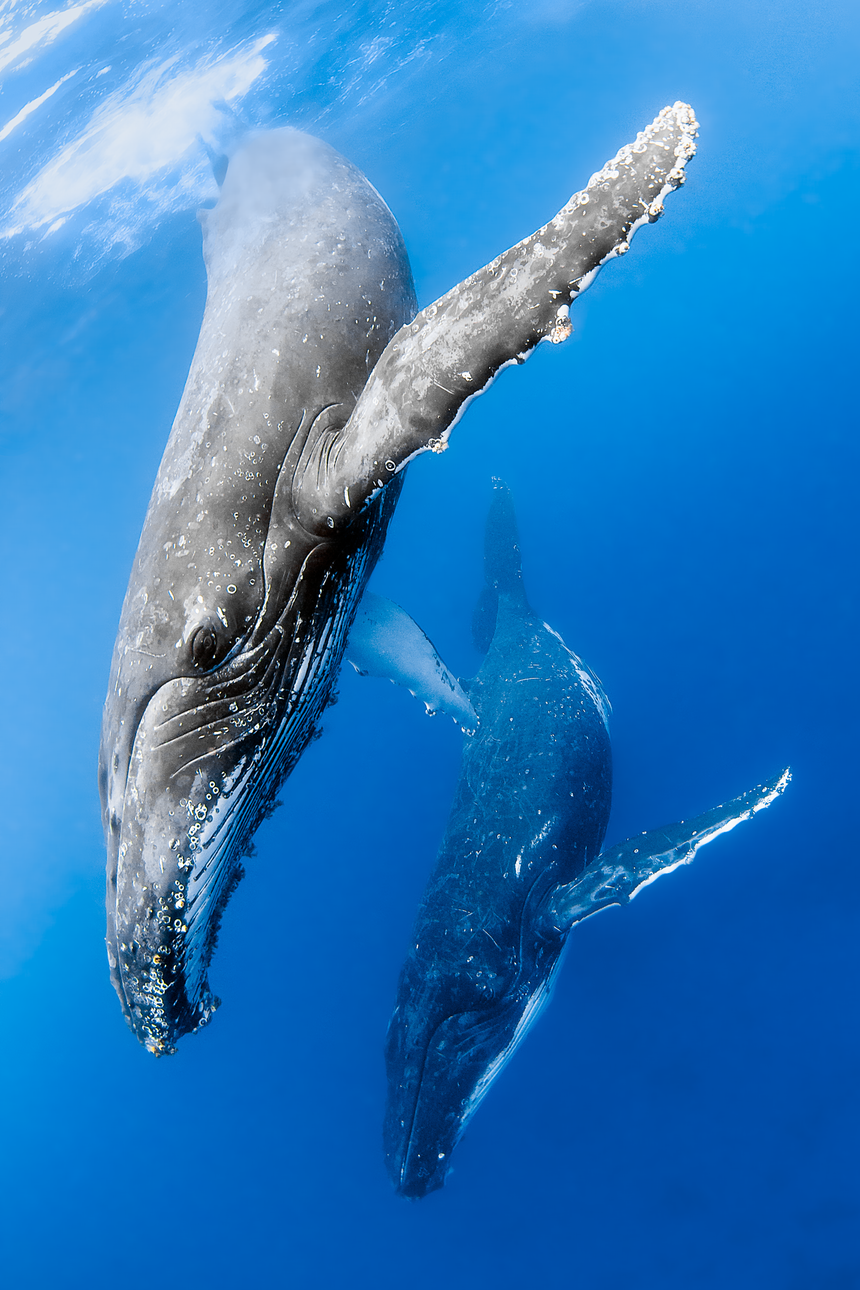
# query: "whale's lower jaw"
[[159, 965], [181, 844], [184, 830], [204, 771]]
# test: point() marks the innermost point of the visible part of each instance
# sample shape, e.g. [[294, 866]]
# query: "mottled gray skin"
[[529, 813], [309, 392], [239, 604], [519, 865]]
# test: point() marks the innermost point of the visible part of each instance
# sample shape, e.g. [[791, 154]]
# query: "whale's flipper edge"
[[386, 642], [620, 872], [455, 347]]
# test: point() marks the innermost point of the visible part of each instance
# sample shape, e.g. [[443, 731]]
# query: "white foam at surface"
[[34, 104], [44, 31], [142, 129], [118, 206]]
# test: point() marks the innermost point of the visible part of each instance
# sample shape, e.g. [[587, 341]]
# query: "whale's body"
[[239, 606], [313, 384], [519, 864]]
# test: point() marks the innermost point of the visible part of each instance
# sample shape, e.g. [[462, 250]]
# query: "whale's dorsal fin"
[[454, 348], [385, 641], [619, 873]]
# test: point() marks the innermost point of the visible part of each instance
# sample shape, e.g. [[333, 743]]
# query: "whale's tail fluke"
[[502, 560], [503, 573], [229, 130], [217, 160]]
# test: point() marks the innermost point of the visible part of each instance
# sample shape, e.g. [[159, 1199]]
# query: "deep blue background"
[[685, 472]]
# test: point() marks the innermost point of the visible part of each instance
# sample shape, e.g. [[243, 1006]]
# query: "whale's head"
[[241, 597], [192, 755], [458, 1019], [194, 748]]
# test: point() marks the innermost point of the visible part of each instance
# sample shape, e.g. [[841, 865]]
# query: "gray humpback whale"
[[313, 384], [519, 864]]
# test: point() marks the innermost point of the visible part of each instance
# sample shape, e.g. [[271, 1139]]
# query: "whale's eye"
[[204, 645]]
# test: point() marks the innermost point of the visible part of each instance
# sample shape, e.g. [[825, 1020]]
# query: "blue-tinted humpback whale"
[[520, 863], [313, 384]]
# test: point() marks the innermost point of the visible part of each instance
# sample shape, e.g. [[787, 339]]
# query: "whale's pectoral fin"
[[620, 872], [455, 347], [385, 641]]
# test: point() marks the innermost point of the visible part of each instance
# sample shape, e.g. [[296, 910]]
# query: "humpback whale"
[[313, 384], [520, 863]]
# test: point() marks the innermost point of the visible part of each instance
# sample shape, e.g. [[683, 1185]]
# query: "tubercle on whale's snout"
[[177, 868], [161, 979], [166, 893]]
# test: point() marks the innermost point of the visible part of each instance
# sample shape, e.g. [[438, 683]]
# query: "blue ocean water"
[[684, 470]]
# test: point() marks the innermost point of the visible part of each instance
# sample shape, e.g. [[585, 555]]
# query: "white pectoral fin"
[[453, 349], [619, 873], [385, 641]]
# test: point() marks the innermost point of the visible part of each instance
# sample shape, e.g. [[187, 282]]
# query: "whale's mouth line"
[[209, 883], [498, 1008], [410, 1137], [407, 1149], [256, 648], [500, 1005]]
